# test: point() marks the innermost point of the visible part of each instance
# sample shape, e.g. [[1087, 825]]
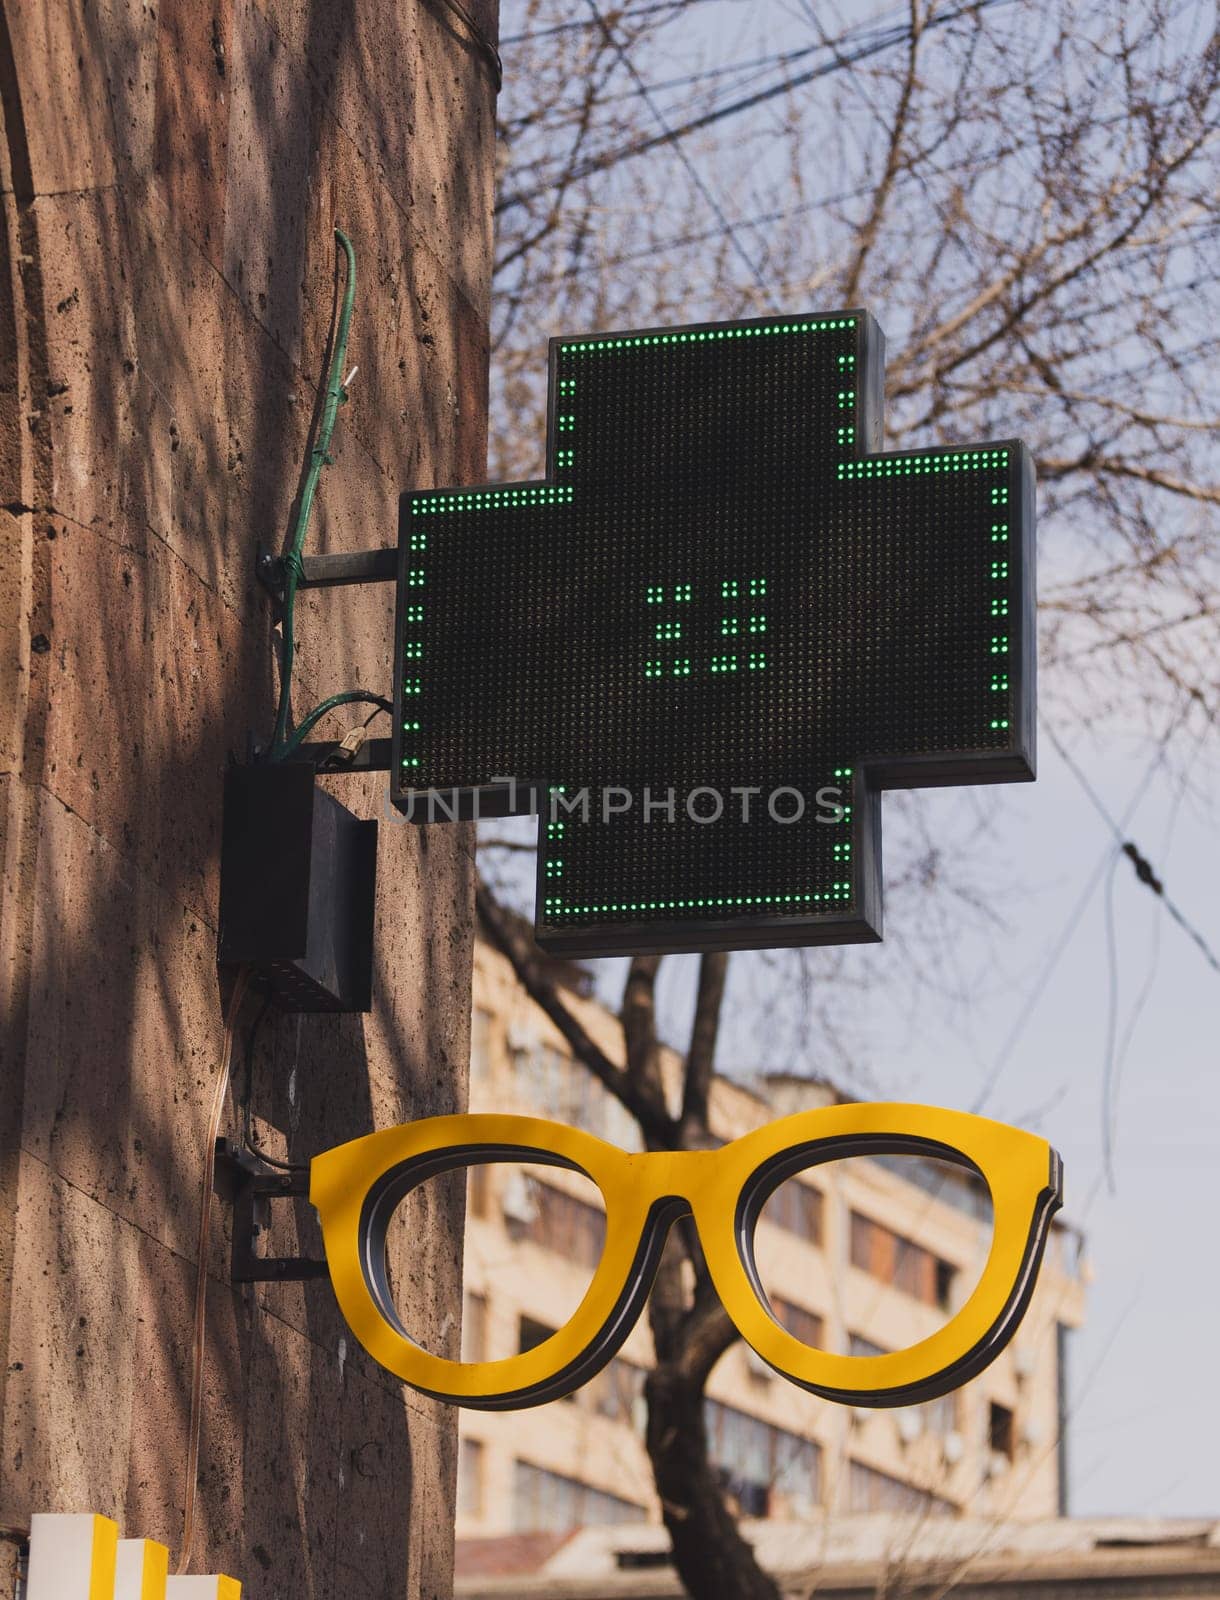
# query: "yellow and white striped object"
[[81, 1557]]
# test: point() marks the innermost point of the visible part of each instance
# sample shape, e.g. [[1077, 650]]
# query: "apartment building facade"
[[857, 1256]]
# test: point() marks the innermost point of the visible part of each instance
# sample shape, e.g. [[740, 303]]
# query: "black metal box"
[[297, 879]]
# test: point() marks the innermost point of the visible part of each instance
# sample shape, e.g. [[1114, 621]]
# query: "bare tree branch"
[[514, 941], [697, 1080]]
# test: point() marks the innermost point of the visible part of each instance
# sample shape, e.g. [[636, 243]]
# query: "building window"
[[964, 1191], [542, 1073], [937, 1416], [756, 1461], [1000, 1430], [858, 1345], [566, 1225], [546, 1502], [470, 1478], [530, 1334], [890, 1258], [566, 1090], [946, 1275], [797, 1208], [807, 1326], [940, 1416], [870, 1490], [615, 1392], [474, 1327]]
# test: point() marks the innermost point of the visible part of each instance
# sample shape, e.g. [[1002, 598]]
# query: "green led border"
[[705, 336], [921, 463], [492, 499], [414, 580], [552, 906]]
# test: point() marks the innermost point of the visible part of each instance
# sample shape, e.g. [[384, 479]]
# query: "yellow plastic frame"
[[357, 1186]]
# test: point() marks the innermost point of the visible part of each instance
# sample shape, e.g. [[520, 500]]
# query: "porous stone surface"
[[171, 175]]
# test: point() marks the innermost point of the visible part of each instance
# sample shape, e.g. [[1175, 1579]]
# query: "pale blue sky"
[[1144, 1376]]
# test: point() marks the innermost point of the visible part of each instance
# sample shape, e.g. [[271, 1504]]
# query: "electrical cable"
[[1076, 915], [576, 26], [639, 147], [247, 1130], [1141, 1000], [1107, 1070], [484, 43], [1030, 1001], [766, 219], [348, 697], [734, 69], [336, 394], [201, 1269], [680, 151], [1143, 867]]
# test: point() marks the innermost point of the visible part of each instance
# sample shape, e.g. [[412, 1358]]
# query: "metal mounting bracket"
[[254, 1185], [330, 572], [328, 756], [326, 572]]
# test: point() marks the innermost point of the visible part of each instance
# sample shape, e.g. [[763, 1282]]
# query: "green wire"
[[319, 457], [302, 731]]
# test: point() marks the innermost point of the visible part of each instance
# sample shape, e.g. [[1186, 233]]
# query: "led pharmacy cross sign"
[[712, 634]]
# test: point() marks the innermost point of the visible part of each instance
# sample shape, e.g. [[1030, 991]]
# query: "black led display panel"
[[721, 624]]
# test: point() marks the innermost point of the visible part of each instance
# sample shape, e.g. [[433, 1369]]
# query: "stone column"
[[171, 178]]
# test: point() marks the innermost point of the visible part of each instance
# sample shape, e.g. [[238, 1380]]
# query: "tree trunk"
[[712, 1559]]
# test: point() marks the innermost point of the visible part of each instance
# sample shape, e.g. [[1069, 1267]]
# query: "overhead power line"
[[753, 68], [579, 25], [692, 171], [1109, 855], [766, 219], [1144, 870], [639, 147]]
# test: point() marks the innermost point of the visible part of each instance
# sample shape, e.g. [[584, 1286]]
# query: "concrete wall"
[[171, 177]]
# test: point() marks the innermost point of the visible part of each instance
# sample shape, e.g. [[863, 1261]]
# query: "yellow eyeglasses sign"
[[356, 1188]]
